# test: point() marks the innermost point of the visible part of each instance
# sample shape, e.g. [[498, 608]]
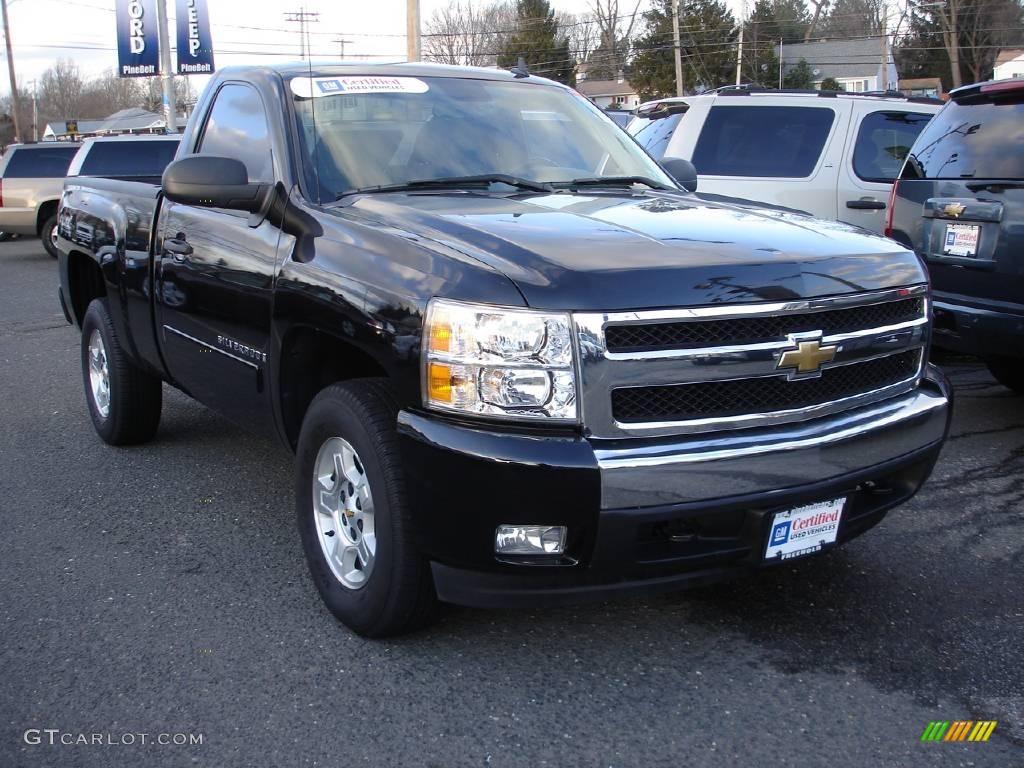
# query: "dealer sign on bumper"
[[804, 530]]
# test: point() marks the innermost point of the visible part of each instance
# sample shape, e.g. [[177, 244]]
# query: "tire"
[[124, 403], [48, 235], [1008, 371], [380, 585], [4, 237]]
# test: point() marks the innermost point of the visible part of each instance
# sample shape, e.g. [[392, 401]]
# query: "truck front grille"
[[754, 330], [659, 373], [764, 394]]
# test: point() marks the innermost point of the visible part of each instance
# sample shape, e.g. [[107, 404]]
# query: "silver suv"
[[31, 182], [832, 155]]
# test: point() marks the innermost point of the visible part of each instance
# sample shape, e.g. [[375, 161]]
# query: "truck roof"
[[407, 69]]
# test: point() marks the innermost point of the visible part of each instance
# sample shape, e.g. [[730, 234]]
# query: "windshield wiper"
[[993, 186], [615, 181], [454, 182]]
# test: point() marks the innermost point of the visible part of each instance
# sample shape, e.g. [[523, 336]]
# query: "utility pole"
[[166, 74], [10, 72], [885, 51], [739, 59], [412, 29], [780, 63], [304, 18], [342, 44], [677, 48], [35, 110]]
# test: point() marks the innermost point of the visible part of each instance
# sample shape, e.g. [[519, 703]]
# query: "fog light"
[[530, 540]]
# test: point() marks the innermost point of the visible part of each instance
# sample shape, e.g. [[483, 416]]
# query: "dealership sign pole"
[[144, 46]]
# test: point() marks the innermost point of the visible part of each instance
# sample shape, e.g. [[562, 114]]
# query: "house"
[[132, 120], [856, 63], [1009, 63], [609, 94], [916, 87]]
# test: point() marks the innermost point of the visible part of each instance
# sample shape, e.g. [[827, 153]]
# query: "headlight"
[[497, 361]]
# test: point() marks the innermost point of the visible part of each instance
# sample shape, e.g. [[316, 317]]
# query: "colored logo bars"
[[958, 730]]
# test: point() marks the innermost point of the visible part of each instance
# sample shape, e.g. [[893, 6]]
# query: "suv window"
[[884, 140], [971, 141], [128, 158], [654, 135], [48, 163], [237, 127], [762, 141]]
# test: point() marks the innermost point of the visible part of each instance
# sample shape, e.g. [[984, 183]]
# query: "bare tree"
[[464, 33], [109, 93], [60, 91], [615, 31], [583, 32], [819, 8]]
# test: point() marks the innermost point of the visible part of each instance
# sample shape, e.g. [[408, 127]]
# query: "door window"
[[883, 143], [774, 142], [237, 128]]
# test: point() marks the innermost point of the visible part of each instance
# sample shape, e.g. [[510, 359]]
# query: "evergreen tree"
[[800, 76], [539, 41], [708, 44]]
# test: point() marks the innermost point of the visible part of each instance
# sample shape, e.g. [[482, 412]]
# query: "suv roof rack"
[[750, 89]]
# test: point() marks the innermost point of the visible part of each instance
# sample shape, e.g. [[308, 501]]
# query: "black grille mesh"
[[720, 399], [753, 330]]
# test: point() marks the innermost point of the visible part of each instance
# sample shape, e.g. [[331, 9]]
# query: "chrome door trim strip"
[[202, 343]]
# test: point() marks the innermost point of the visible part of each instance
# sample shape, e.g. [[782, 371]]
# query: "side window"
[[237, 127], [654, 135], [883, 143], [49, 163], [771, 142]]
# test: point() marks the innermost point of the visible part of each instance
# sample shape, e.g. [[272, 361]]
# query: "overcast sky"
[[243, 31]]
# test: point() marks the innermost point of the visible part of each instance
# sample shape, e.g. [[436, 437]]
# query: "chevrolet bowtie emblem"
[[954, 210], [808, 357]]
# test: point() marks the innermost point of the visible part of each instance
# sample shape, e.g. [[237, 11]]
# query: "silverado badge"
[[808, 357], [954, 210]]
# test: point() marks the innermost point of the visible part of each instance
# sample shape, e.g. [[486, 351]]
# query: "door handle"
[[179, 249], [866, 205]]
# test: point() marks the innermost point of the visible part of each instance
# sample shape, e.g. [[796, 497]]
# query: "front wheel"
[[353, 514], [48, 235], [1008, 371], [124, 401]]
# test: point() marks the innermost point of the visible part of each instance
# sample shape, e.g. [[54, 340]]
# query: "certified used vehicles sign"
[[804, 530]]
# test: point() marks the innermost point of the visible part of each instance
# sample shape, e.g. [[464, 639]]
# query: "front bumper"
[[652, 515], [990, 329]]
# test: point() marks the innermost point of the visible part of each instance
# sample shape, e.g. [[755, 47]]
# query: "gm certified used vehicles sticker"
[[317, 87]]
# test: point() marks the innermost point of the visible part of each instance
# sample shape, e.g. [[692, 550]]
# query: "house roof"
[[133, 119], [594, 88], [836, 58], [1009, 54]]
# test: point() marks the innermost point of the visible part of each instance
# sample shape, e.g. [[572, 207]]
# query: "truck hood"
[[618, 251]]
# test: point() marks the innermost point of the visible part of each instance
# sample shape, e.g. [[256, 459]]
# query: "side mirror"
[[213, 182], [683, 171]]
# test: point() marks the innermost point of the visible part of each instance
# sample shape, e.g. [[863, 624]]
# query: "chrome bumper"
[[701, 467]]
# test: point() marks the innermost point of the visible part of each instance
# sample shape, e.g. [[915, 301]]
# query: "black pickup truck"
[[518, 362]]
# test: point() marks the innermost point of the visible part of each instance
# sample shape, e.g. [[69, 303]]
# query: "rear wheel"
[[124, 401], [48, 234], [353, 515], [1008, 371]]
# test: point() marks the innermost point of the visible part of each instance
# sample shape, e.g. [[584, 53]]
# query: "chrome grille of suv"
[[667, 372]]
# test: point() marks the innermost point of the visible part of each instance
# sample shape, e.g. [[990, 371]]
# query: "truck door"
[[881, 138], [216, 274]]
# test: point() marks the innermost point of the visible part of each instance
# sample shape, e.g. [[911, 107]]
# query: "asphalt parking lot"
[[162, 590]]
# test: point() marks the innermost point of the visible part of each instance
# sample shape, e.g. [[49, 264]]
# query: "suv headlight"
[[498, 361]]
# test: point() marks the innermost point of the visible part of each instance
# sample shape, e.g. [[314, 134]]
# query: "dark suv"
[[959, 202]]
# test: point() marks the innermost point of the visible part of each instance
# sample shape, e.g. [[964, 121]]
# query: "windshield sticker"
[[316, 87]]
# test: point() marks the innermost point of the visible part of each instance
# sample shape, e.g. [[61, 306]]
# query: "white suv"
[[833, 155]]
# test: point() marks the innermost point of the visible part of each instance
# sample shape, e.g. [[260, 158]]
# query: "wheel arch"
[[85, 283], [311, 360]]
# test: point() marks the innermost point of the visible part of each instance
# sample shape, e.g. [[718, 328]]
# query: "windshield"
[[360, 132]]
